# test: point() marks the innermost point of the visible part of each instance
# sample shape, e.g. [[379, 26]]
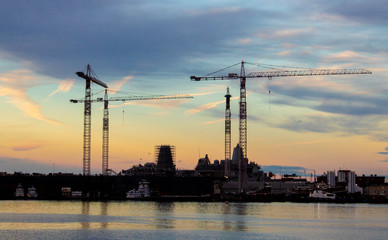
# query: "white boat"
[[322, 195], [142, 192], [31, 193], [19, 193]]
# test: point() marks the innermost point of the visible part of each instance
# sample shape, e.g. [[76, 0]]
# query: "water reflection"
[[325, 210], [317, 211], [165, 214], [341, 210], [85, 215], [227, 223], [203, 208], [104, 213], [241, 211]]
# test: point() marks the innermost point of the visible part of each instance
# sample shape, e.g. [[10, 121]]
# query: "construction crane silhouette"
[[243, 160], [90, 77], [105, 134]]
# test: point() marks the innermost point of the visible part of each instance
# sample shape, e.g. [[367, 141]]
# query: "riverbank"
[[163, 189]]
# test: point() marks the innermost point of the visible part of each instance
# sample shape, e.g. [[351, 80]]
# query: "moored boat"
[[143, 191], [31, 193], [19, 193], [322, 195]]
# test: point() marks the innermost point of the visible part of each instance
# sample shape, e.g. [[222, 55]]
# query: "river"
[[190, 220]]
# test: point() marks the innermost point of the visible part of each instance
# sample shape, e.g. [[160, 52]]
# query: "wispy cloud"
[[207, 106], [204, 107], [285, 169], [224, 10], [212, 122], [384, 153], [11, 164], [285, 33], [201, 94], [116, 86], [20, 99], [299, 143], [64, 86], [14, 85], [349, 56], [244, 41], [285, 53], [27, 147]]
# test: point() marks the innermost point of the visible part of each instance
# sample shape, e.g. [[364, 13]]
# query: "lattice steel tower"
[[105, 136], [227, 134], [242, 161], [87, 125]]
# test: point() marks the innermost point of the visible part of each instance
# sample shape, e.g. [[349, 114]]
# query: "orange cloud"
[[316, 82], [286, 33], [299, 143], [14, 85], [349, 56], [212, 122], [207, 106], [27, 147], [244, 41], [201, 94], [292, 32], [116, 86], [64, 86], [285, 53]]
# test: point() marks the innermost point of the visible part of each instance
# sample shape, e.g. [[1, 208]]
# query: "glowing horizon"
[[320, 122]]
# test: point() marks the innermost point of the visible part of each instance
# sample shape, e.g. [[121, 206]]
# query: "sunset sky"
[[146, 47]]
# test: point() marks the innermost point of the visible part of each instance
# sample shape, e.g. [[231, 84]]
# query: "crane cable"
[[272, 66], [223, 69], [123, 116], [269, 100]]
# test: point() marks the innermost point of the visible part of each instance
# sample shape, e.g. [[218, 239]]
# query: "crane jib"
[[95, 80], [310, 72]]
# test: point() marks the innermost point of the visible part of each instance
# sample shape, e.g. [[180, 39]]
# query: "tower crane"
[[90, 77], [105, 132], [243, 160]]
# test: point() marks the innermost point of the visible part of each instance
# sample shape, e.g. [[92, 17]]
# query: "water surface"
[[190, 220]]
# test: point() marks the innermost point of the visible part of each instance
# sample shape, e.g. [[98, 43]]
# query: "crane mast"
[[105, 131], [105, 135], [89, 78], [87, 126], [227, 133], [243, 160]]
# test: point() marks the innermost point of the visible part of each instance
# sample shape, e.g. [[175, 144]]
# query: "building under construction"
[[165, 158]]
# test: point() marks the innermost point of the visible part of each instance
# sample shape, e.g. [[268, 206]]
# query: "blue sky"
[[153, 47]]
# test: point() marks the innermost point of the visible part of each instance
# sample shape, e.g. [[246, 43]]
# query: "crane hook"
[[269, 100]]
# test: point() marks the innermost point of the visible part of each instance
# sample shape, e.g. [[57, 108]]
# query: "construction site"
[[233, 178]]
